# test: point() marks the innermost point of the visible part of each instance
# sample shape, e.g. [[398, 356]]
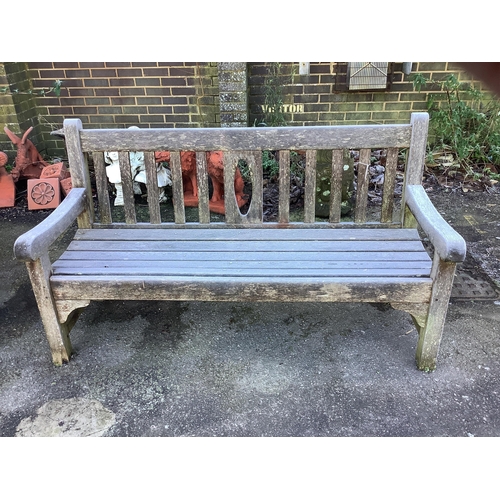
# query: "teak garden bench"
[[243, 258]]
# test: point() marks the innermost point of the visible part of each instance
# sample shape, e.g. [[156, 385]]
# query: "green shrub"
[[463, 121]]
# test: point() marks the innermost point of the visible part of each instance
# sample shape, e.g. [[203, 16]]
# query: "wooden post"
[[416, 157], [429, 338], [57, 333], [80, 177]]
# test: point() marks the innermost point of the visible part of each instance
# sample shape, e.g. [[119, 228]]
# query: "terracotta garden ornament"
[[44, 193], [7, 186], [188, 167], [28, 162], [189, 181], [215, 167]]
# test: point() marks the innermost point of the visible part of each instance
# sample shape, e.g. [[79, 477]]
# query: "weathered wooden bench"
[[243, 258]]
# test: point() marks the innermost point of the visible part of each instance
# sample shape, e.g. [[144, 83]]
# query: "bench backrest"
[[247, 145]]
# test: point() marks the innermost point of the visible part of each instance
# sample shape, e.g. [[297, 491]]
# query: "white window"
[[368, 75]]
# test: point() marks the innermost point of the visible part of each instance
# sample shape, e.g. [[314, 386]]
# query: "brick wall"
[[186, 94], [124, 94], [323, 98], [17, 106]]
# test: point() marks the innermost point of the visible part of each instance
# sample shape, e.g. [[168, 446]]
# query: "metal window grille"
[[368, 75]]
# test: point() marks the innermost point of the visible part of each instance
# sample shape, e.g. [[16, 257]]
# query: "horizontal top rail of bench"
[[247, 138]]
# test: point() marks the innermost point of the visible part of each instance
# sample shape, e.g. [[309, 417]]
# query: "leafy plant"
[[270, 164], [463, 121], [274, 98], [55, 88]]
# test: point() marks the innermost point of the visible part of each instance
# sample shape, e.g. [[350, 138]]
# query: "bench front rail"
[[117, 254]]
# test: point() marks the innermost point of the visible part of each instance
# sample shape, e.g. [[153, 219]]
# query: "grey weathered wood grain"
[[253, 290], [254, 162], [270, 226], [336, 185], [247, 234], [284, 187], [363, 180], [416, 158], [195, 261], [268, 258], [80, 176], [237, 246], [152, 187], [247, 138], [203, 194], [310, 187], [36, 242], [146, 270], [128, 188], [430, 334], [389, 185], [101, 180], [447, 242], [57, 333], [416, 154], [177, 188], [232, 212]]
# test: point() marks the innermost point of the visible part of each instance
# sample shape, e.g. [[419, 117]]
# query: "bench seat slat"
[[203, 257], [250, 246], [236, 272], [246, 235], [262, 263]]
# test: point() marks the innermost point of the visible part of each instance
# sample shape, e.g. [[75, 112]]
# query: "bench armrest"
[[449, 245], [34, 243]]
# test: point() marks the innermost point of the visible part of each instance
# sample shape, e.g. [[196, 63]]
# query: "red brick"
[[52, 73], [66, 65], [103, 73], [77, 73], [118, 64], [122, 82], [91, 65]]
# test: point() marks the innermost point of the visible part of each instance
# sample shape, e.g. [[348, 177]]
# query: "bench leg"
[[430, 333], [57, 332]]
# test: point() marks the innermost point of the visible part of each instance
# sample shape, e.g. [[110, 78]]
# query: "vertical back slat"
[[416, 160], [177, 189], [284, 187], [152, 187], [101, 181], [418, 144], [310, 187], [362, 185], [127, 185], [80, 176], [255, 211], [232, 212], [336, 185], [202, 179], [389, 185]]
